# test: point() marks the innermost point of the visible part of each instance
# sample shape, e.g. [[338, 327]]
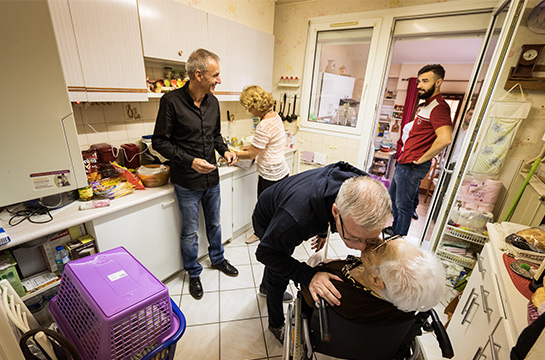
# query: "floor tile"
[[242, 340], [175, 283], [242, 281], [209, 279], [274, 348], [258, 273], [251, 250], [300, 253], [237, 255], [238, 241], [238, 305], [199, 342], [176, 299], [203, 311], [262, 303]]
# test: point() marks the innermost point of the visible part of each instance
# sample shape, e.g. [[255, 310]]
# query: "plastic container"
[[37, 306], [153, 175], [62, 257], [125, 309]]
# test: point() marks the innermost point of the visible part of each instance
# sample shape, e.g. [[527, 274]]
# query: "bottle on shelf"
[[61, 258]]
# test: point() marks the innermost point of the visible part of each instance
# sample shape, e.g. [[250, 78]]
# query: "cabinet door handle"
[[180, 53], [478, 354], [465, 320], [493, 346], [168, 203], [464, 309], [482, 270], [484, 294]]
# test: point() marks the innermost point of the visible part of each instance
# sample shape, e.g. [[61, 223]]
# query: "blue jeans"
[[402, 191], [188, 201]]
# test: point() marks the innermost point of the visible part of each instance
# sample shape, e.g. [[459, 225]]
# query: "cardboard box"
[[48, 248], [84, 246], [9, 272]]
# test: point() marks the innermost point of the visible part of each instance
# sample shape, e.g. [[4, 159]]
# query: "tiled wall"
[[121, 123], [336, 147]]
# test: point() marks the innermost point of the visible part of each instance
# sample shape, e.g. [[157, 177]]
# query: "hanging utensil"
[[284, 117], [288, 117], [293, 116]]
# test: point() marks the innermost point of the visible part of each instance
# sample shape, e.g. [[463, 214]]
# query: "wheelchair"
[[322, 330]]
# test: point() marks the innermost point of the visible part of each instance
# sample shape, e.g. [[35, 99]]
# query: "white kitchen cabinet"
[[261, 66], [109, 48], [482, 315], [170, 30], [244, 199], [226, 187], [150, 231]]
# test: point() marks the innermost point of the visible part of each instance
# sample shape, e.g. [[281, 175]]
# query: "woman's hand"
[[321, 286]]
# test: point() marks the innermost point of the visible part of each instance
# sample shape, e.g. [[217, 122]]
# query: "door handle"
[[478, 354], [493, 346], [484, 294], [468, 300], [482, 270], [168, 203], [465, 320]]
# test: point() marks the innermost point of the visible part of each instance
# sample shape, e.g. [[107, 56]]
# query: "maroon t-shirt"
[[419, 134]]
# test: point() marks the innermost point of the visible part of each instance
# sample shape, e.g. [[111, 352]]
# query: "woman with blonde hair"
[[269, 141]]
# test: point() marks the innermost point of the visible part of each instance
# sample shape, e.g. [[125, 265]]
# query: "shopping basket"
[[166, 350]]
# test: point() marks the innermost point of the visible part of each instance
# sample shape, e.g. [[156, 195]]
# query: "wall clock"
[[536, 19], [527, 61]]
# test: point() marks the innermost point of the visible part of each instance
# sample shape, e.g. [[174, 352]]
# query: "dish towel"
[[506, 117], [320, 158], [307, 156]]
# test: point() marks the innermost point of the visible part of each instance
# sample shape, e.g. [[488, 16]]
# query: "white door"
[[503, 24]]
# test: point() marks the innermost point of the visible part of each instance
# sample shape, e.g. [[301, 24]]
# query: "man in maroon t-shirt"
[[423, 138]]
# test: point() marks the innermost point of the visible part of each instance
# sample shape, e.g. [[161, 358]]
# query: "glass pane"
[[339, 67]]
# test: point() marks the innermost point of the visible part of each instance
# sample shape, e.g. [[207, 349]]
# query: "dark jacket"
[[184, 132], [294, 210]]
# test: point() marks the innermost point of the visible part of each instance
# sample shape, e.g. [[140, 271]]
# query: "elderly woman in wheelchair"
[[386, 297]]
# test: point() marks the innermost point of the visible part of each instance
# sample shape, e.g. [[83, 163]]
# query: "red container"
[[131, 158], [106, 152]]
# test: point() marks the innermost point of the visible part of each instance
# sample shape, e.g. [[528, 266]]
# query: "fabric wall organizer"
[[505, 119]]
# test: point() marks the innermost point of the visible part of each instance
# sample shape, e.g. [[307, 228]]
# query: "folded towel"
[[307, 156], [320, 158]]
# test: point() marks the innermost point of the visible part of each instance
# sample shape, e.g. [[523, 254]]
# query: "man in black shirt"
[[303, 206], [187, 132]]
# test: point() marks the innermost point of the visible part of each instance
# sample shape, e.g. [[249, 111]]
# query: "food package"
[[532, 239], [131, 178], [90, 162], [112, 188], [479, 194]]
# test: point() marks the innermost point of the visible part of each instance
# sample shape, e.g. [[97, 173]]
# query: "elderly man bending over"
[[387, 284]]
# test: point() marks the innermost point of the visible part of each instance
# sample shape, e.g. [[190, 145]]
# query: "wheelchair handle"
[[325, 334], [442, 337]]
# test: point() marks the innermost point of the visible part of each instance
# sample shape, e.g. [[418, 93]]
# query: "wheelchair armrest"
[[325, 334], [441, 334]]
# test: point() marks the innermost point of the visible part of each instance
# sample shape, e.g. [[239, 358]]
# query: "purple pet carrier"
[[111, 307]]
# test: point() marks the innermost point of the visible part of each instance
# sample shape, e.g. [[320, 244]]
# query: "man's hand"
[[321, 285], [317, 243], [202, 166], [230, 157]]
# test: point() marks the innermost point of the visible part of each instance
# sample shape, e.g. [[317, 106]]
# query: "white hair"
[[366, 200], [414, 278]]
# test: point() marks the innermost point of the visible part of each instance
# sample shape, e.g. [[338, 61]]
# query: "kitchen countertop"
[[70, 215]]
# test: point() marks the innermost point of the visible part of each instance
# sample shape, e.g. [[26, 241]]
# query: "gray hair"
[[366, 200], [198, 60], [414, 278]]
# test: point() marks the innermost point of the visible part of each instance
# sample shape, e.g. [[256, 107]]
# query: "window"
[[340, 63]]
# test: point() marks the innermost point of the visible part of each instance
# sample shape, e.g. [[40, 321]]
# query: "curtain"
[[408, 109]]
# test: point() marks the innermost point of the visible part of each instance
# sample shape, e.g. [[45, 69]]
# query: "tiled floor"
[[230, 321]]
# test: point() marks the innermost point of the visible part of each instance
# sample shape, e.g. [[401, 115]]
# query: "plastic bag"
[[131, 178], [532, 239]]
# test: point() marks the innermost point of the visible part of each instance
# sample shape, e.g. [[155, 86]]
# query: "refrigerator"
[[40, 150]]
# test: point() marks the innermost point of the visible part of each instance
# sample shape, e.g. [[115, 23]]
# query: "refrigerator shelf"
[[467, 235], [456, 259]]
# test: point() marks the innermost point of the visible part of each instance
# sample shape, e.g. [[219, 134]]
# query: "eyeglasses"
[[369, 242], [384, 242], [344, 232]]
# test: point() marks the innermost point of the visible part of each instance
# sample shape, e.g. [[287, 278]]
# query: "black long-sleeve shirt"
[[294, 210], [184, 132]]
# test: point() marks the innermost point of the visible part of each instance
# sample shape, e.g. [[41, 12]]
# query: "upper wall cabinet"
[[246, 55], [104, 37], [170, 30]]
